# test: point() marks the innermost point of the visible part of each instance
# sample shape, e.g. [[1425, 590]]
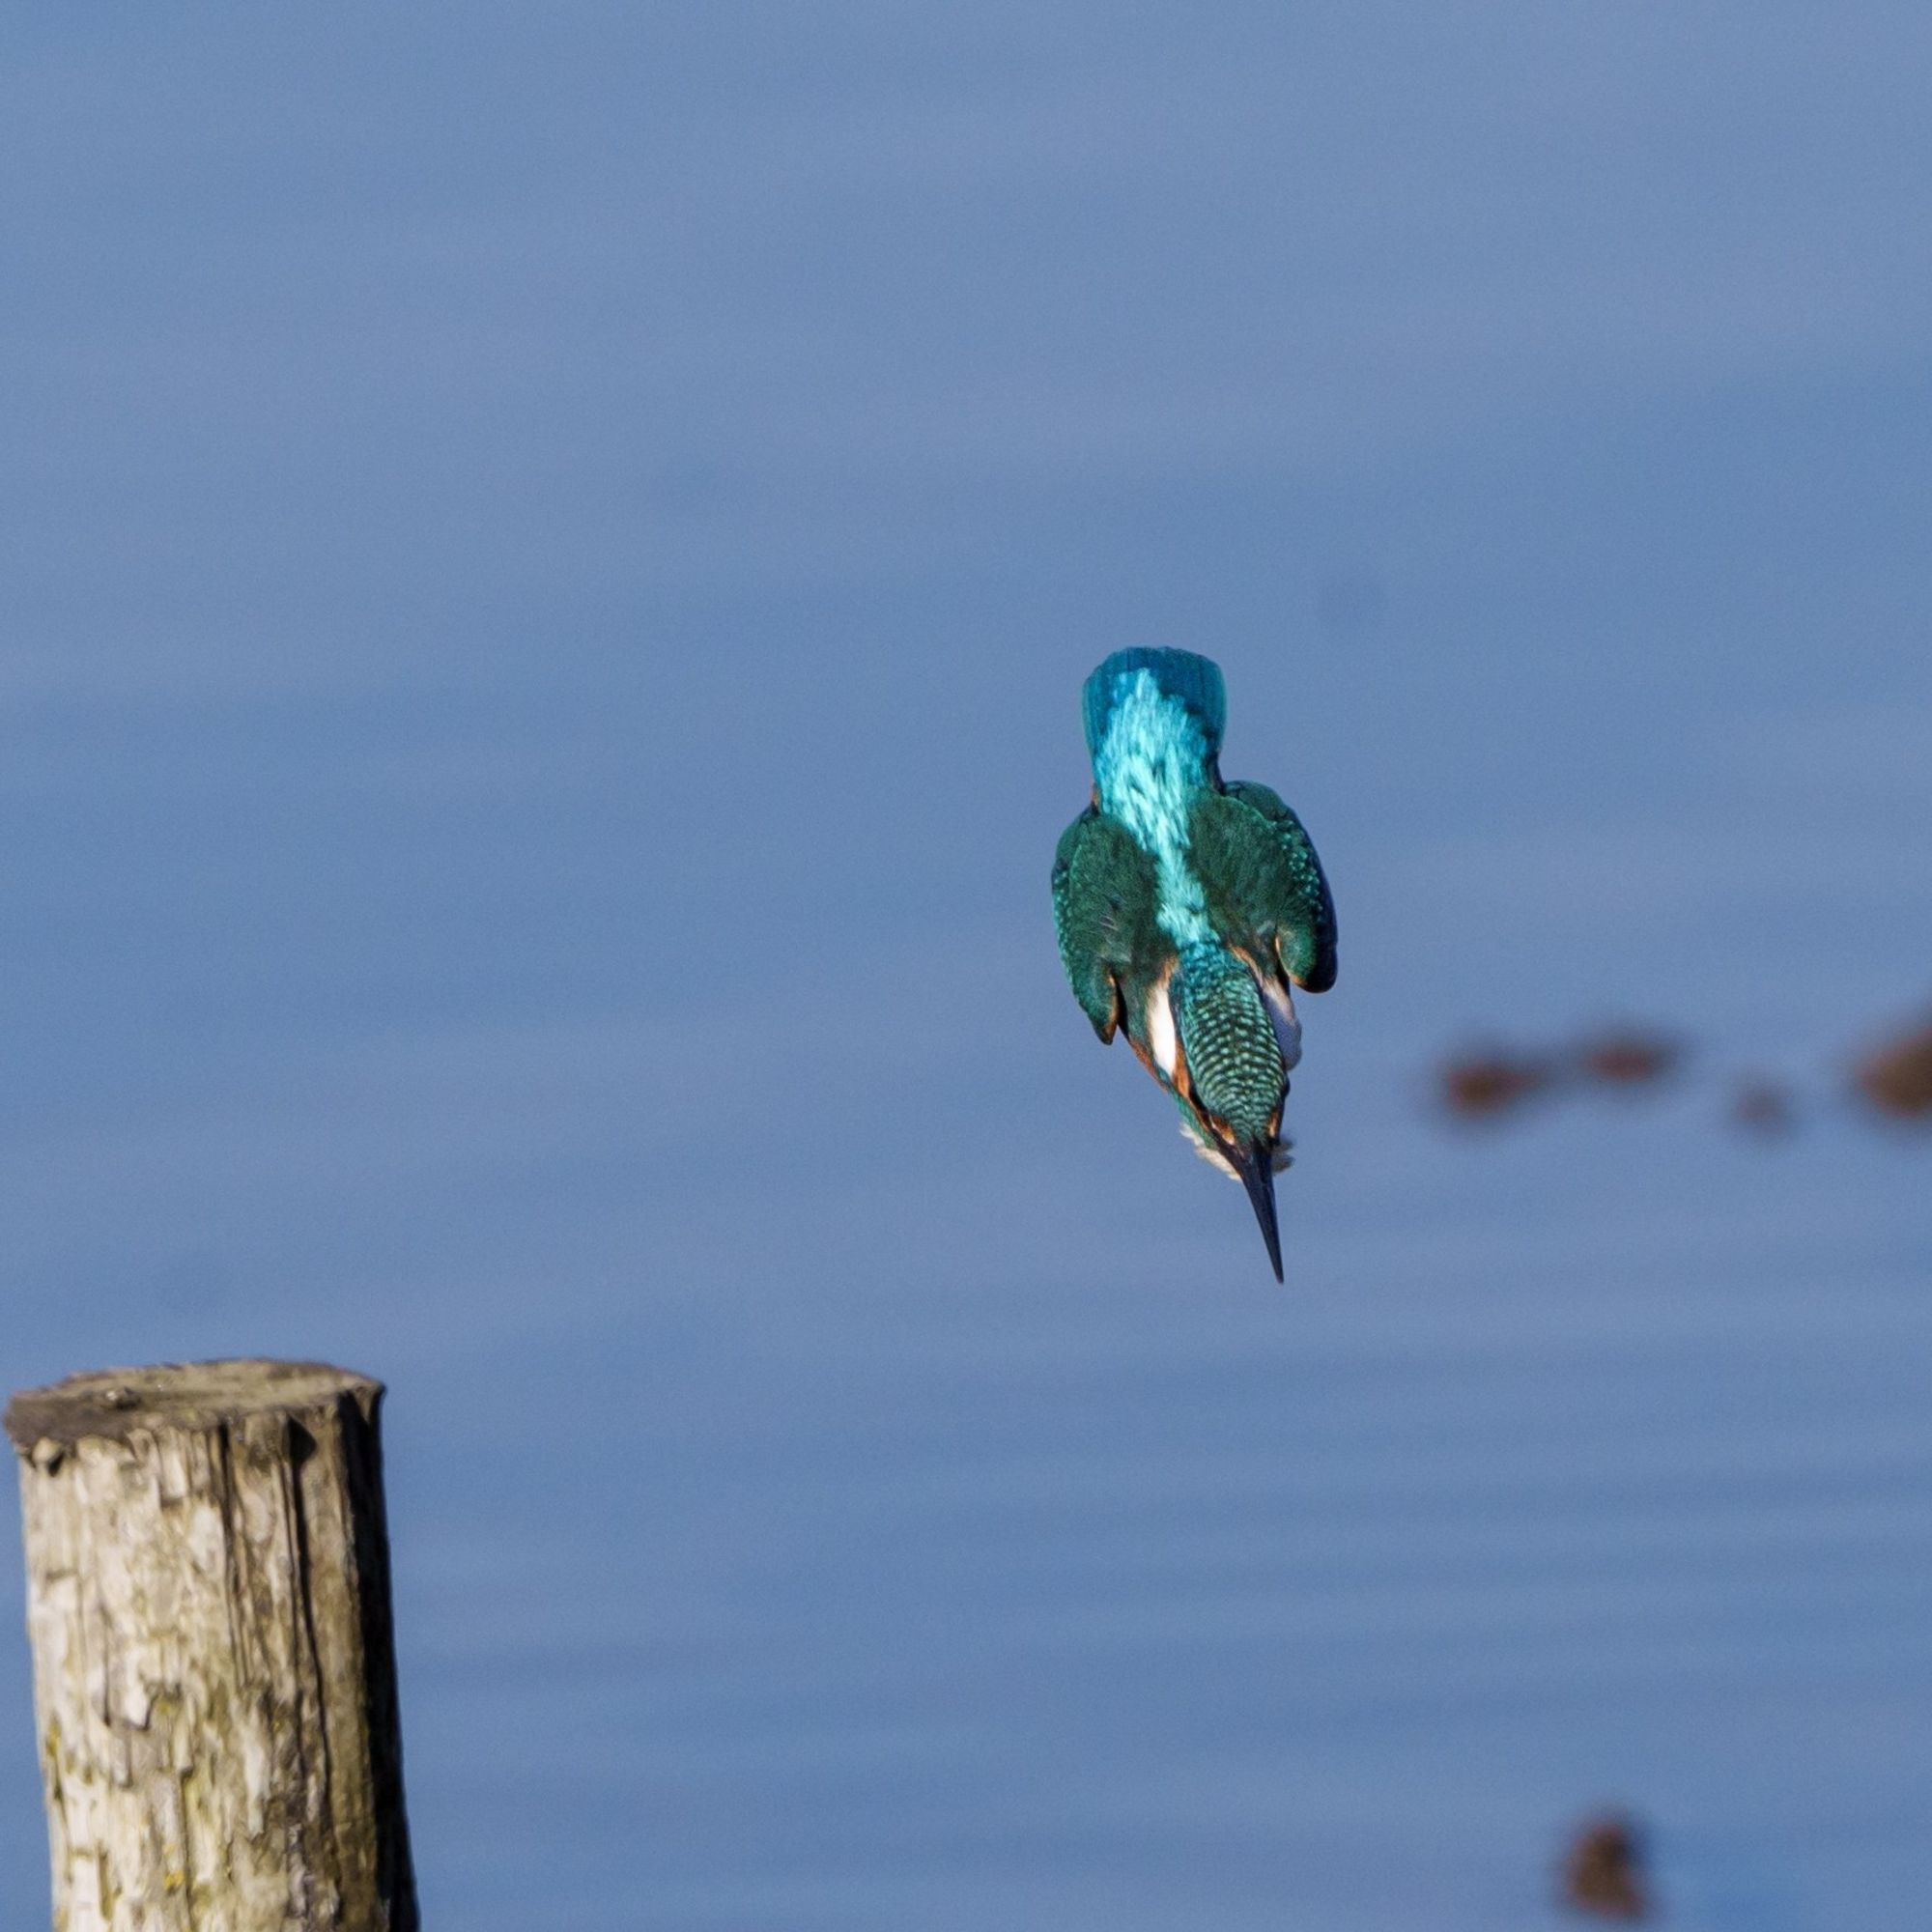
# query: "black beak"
[[1255, 1167]]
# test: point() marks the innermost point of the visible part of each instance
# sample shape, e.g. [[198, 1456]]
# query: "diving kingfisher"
[[1189, 907]]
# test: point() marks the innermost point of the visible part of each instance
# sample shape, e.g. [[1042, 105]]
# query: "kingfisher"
[[1189, 908]]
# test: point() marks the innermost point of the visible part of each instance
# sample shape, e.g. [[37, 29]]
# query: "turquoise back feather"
[[1153, 726]]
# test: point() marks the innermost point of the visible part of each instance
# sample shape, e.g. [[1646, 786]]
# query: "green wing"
[[1103, 910], [1264, 886]]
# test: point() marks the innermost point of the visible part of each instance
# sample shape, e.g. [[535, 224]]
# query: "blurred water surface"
[[550, 561]]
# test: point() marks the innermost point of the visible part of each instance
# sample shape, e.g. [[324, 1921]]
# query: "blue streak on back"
[[1151, 762]]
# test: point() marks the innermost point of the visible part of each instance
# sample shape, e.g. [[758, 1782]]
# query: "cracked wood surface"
[[213, 1668]]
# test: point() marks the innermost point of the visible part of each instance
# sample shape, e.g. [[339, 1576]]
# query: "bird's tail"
[[1193, 681]]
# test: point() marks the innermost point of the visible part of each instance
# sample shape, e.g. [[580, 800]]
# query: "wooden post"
[[208, 1586]]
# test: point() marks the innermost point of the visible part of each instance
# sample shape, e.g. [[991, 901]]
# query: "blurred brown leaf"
[[1628, 1058], [1604, 1871], [1762, 1107], [1483, 1085], [1897, 1079]]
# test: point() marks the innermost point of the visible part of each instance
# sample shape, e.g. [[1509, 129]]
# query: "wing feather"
[[1103, 911], [1266, 893]]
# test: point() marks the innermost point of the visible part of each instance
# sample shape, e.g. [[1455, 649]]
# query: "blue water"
[[549, 566]]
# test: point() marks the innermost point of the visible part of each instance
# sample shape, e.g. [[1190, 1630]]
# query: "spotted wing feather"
[[1103, 910], [1264, 886]]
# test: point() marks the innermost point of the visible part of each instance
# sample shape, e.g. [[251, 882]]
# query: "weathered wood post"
[[207, 1586]]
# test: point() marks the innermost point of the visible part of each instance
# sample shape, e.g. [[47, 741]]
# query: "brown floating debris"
[[1762, 1107], [1628, 1058], [1897, 1079], [1604, 1872], [1480, 1086]]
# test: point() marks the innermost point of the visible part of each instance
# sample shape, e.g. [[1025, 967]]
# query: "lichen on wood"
[[213, 1666]]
